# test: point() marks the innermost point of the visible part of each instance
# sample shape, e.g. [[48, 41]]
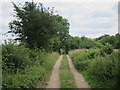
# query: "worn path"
[[79, 80], [54, 81]]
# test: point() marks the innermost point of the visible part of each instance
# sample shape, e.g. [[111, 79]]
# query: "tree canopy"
[[35, 25]]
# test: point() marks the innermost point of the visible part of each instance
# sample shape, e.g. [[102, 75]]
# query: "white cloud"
[[77, 0], [81, 15]]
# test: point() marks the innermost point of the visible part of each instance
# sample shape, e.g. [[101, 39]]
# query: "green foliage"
[[107, 49], [35, 26], [27, 80], [62, 51], [97, 69], [113, 40], [101, 37], [117, 43], [23, 67], [88, 43], [106, 66], [14, 57], [82, 58], [66, 77], [38, 30], [83, 42], [55, 44]]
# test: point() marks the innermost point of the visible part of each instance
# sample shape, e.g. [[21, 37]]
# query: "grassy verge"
[[99, 71], [52, 58], [24, 68], [34, 75], [66, 77]]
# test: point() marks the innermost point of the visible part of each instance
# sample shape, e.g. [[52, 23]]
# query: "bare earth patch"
[[54, 81]]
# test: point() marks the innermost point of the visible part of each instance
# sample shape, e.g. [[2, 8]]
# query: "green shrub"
[[23, 67], [15, 58], [27, 80], [79, 60], [99, 70], [107, 49]]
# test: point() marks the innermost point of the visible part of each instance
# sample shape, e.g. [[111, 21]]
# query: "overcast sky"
[[91, 19]]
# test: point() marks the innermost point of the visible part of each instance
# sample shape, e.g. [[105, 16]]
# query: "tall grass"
[[100, 70], [66, 77], [24, 68]]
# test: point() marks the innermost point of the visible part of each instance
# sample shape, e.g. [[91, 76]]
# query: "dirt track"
[[79, 80], [54, 81]]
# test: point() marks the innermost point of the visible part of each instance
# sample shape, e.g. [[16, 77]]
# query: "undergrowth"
[[23, 67], [66, 77], [98, 66]]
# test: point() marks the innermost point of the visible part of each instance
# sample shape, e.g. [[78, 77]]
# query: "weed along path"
[[66, 76], [54, 81], [79, 80]]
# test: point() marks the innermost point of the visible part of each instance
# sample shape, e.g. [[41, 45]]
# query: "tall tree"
[[35, 25]]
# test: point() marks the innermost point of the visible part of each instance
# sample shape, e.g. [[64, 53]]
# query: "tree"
[[117, 43], [99, 38], [63, 32], [35, 25], [55, 44], [113, 40]]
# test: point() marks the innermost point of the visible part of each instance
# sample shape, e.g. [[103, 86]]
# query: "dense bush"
[[106, 49], [82, 59], [82, 42], [104, 67], [23, 67], [113, 40], [15, 58], [99, 70], [33, 76]]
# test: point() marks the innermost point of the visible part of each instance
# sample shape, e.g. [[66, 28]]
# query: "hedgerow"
[[23, 67], [98, 66]]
